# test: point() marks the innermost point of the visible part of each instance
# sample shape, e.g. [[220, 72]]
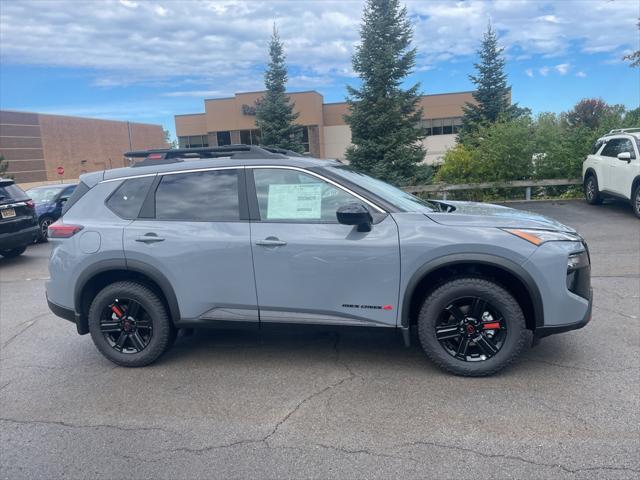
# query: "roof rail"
[[624, 130], [166, 155], [283, 151]]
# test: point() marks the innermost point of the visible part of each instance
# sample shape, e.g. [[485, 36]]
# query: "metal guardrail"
[[444, 188]]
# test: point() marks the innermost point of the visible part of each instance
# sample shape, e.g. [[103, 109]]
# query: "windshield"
[[399, 198], [44, 195]]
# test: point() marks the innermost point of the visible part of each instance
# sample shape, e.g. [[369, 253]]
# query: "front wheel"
[[472, 327], [129, 324], [591, 192], [13, 252], [635, 201]]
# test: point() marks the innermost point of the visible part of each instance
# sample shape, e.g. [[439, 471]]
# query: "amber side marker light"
[[526, 236]]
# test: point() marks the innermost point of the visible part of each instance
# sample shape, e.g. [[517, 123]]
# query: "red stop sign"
[[60, 170]]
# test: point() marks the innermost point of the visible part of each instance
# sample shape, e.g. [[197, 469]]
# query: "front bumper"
[[21, 238], [543, 331]]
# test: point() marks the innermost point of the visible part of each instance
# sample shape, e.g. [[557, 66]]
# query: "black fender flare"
[[131, 266], [634, 184], [590, 171], [477, 258]]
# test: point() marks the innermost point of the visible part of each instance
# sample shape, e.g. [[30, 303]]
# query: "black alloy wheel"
[[471, 329], [44, 228], [126, 326]]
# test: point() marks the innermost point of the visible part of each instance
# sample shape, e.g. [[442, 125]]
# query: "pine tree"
[[274, 113], [492, 94], [383, 116], [3, 166]]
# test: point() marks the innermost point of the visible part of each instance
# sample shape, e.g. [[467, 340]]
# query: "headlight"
[[538, 237]]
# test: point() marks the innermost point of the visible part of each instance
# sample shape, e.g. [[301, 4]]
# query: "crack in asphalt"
[[584, 369], [516, 458], [626, 315], [30, 323], [93, 426]]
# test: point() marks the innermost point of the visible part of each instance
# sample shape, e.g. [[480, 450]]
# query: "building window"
[[441, 126], [250, 137], [305, 139], [193, 141], [224, 138]]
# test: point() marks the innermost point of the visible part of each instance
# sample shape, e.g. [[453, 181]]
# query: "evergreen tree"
[[383, 117], [274, 113], [3, 165], [492, 94]]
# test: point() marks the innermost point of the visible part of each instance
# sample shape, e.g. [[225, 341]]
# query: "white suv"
[[613, 168]]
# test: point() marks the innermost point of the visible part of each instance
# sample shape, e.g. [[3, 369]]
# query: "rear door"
[[308, 267], [609, 159], [193, 228]]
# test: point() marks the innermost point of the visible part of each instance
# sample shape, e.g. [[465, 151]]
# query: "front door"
[[308, 267], [196, 238], [621, 171]]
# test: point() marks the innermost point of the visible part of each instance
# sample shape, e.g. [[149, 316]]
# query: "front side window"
[[127, 200], [611, 148], [294, 196], [626, 146], [210, 196]]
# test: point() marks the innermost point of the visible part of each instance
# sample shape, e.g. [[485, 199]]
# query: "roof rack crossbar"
[[166, 155]]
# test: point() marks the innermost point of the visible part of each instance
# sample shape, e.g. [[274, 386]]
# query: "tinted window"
[[78, 193], [10, 191], [626, 146], [127, 199], [289, 195], [611, 148], [68, 191], [200, 196]]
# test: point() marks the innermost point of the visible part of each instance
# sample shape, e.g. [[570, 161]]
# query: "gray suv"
[[241, 235]]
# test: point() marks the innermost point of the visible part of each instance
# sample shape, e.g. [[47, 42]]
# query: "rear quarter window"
[[78, 193], [127, 200], [10, 191]]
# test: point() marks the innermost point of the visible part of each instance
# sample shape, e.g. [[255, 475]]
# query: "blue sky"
[[148, 60]]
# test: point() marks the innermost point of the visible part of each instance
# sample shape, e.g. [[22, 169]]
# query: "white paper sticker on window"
[[296, 202]]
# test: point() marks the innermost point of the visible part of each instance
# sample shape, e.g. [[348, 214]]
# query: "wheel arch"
[[588, 172], [634, 185], [507, 273], [103, 273]]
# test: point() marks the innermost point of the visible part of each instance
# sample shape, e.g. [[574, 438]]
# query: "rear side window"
[[210, 196], [127, 200], [78, 193], [596, 147], [10, 191]]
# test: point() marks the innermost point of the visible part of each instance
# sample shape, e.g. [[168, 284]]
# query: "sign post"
[[60, 171]]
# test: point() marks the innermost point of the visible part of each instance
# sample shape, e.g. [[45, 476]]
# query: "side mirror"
[[626, 156], [355, 214], [63, 200]]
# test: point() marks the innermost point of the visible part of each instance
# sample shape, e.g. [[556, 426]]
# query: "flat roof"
[[79, 117]]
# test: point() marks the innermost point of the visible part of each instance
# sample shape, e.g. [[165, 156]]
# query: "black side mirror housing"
[[355, 214]]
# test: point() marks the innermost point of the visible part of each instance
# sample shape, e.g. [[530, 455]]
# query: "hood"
[[474, 214]]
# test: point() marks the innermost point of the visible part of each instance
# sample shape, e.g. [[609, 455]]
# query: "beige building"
[[35, 144], [231, 120]]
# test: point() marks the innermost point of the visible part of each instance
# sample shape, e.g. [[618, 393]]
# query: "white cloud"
[[562, 68], [220, 44], [544, 71], [529, 72], [581, 74]]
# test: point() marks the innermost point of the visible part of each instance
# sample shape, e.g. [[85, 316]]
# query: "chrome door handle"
[[149, 238], [271, 242]]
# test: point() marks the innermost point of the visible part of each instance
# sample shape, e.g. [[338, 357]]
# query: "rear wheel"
[[44, 228], [129, 324], [13, 252], [472, 327], [635, 201], [591, 192]]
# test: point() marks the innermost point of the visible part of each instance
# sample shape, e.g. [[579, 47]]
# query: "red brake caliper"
[[491, 326], [117, 311]]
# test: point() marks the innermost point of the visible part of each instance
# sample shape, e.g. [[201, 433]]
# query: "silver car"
[[241, 235]]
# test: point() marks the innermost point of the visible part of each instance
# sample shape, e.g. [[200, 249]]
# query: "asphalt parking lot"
[[326, 403]]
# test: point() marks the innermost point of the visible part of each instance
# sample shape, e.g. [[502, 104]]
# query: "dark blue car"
[[49, 201]]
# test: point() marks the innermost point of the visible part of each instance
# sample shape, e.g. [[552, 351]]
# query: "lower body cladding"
[[20, 238]]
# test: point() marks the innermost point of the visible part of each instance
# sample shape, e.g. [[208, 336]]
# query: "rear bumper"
[[553, 329], [21, 238], [67, 314]]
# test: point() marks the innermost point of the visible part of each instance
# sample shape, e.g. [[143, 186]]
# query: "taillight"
[[63, 230], [30, 204]]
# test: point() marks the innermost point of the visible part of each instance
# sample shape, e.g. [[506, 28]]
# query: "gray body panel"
[[326, 273]]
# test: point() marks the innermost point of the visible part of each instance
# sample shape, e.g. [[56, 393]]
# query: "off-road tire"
[[163, 329], [516, 341]]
